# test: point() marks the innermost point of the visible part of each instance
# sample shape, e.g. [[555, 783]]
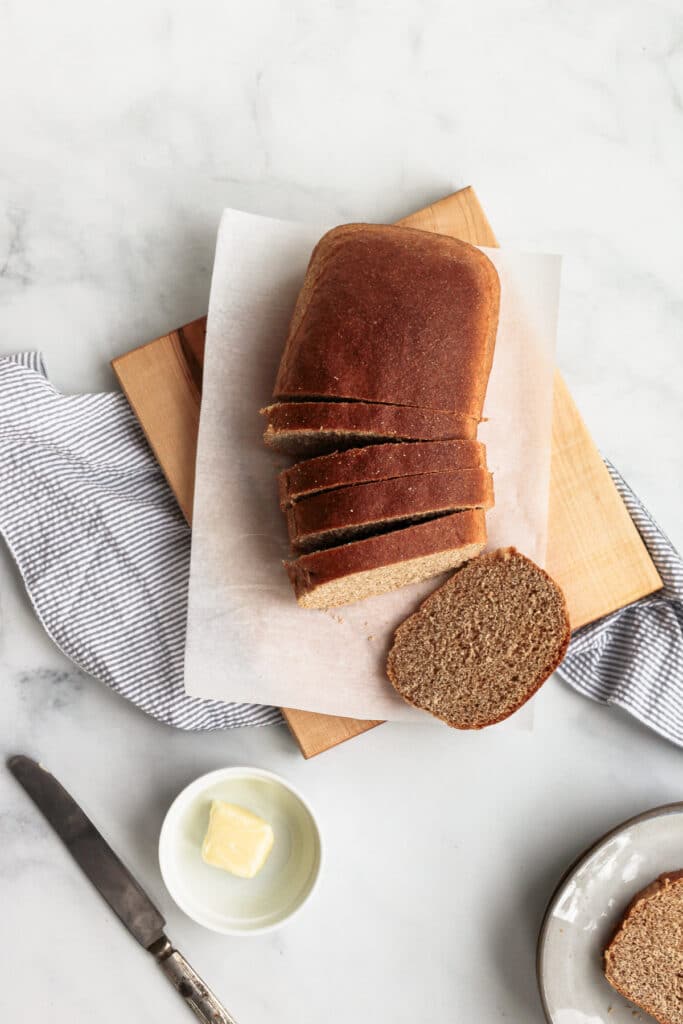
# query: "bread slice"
[[393, 314], [377, 462], [316, 428], [365, 568], [483, 643], [644, 960], [348, 513]]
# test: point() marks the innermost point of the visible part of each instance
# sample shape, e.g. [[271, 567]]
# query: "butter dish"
[[218, 899]]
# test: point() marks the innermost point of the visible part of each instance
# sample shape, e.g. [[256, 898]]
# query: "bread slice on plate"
[[393, 314], [377, 462], [644, 960], [348, 513], [375, 565], [315, 428], [483, 643]]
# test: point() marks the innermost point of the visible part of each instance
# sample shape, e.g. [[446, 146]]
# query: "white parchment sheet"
[[247, 639]]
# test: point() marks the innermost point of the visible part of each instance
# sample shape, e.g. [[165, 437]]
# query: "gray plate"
[[586, 907]]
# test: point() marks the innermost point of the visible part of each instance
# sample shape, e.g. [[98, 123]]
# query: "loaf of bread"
[[483, 643], [387, 561], [393, 315], [644, 960], [315, 428], [377, 462], [383, 378], [347, 513]]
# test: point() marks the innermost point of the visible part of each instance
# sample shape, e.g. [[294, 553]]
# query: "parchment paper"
[[247, 638]]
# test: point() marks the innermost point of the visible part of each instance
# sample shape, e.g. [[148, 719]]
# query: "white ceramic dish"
[[585, 910], [217, 899]]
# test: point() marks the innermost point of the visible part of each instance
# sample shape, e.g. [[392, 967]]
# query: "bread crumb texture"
[[482, 644], [644, 960]]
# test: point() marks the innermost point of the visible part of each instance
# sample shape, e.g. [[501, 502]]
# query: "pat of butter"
[[236, 840]]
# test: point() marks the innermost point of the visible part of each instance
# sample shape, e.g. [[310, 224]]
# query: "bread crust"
[[454, 531], [377, 503], [546, 672], [377, 462], [369, 420], [663, 881], [393, 315]]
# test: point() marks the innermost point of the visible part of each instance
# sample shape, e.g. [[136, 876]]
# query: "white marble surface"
[[127, 128]]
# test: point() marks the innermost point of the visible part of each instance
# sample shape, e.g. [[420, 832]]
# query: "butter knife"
[[116, 885]]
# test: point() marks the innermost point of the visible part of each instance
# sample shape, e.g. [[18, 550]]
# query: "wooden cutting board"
[[594, 551]]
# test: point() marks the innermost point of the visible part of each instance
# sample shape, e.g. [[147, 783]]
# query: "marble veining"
[[127, 129]]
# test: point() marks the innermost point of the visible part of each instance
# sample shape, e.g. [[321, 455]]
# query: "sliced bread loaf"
[[377, 462], [348, 513], [314, 428], [393, 314], [375, 565], [644, 960], [483, 643]]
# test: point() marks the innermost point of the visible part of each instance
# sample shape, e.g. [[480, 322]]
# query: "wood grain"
[[163, 383], [318, 733], [594, 550], [460, 215]]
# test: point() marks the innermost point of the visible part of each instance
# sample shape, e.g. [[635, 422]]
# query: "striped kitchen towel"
[[101, 544], [634, 657], [105, 554]]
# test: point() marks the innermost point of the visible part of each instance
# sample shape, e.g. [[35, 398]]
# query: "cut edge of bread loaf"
[[450, 648], [366, 568], [628, 982]]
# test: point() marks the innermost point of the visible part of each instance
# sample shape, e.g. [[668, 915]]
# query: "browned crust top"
[[393, 314], [377, 462], [381, 501], [371, 418]]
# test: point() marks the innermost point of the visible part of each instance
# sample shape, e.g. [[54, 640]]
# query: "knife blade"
[[92, 853], [115, 884]]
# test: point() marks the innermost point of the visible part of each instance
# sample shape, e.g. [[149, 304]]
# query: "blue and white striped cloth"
[[634, 657], [105, 553], [101, 544]]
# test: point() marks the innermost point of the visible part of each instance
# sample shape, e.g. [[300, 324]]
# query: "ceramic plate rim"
[[655, 812], [196, 786]]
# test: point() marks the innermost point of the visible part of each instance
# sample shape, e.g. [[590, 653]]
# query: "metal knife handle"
[[187, 982]]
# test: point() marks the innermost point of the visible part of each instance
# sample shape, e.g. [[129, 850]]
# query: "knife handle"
[[187, 982]]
